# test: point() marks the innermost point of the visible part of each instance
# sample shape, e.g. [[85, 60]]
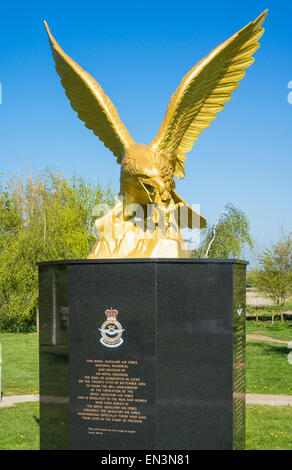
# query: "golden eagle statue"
[[148, 214]]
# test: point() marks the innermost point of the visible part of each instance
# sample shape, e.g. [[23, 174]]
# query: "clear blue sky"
[[138, 52]]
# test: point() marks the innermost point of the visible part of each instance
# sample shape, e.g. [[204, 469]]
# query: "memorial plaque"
[[156, 357], [113, 384]]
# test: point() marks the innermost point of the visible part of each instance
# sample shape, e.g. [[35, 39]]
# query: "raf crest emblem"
[[111, 330]]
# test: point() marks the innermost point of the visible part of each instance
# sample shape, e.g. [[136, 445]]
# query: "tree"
[[42, 217], [228, 237], [273, 276]]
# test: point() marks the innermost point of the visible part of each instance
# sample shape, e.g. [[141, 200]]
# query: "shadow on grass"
[[270, 349], [37, 419]]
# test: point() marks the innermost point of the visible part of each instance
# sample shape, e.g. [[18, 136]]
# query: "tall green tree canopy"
[[43, 217]]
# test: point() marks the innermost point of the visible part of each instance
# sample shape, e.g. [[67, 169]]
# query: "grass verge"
[[19, 427], [268, 427], [20, 364], [267, 368]]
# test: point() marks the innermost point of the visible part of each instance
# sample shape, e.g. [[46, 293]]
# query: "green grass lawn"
[[267, 427], [19, 364], [267, 368], [19, 427]]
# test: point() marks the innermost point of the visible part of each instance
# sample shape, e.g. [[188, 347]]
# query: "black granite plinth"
[[142, 354]]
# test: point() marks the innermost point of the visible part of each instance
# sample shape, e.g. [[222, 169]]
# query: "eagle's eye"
[[149, 188]]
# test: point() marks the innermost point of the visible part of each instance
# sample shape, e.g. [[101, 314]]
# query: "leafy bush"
[[44, 217]]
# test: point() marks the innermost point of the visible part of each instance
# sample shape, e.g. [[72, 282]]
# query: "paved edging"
[[251, 399], [13, 400], [263, 399]]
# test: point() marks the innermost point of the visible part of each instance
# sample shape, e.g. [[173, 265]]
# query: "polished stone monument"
[[142, 347], [142, 354]]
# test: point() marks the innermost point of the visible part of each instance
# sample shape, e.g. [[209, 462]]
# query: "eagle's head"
[[147, 175]]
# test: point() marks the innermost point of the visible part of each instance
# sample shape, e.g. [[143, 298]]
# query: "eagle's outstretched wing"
[[204, 91], [90, 102]]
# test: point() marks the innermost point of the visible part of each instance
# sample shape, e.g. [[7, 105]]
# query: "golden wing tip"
[[47, 27], [261, 18], [52, 40]]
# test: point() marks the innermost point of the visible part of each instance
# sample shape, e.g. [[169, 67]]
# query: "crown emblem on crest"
[[110, 313]]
